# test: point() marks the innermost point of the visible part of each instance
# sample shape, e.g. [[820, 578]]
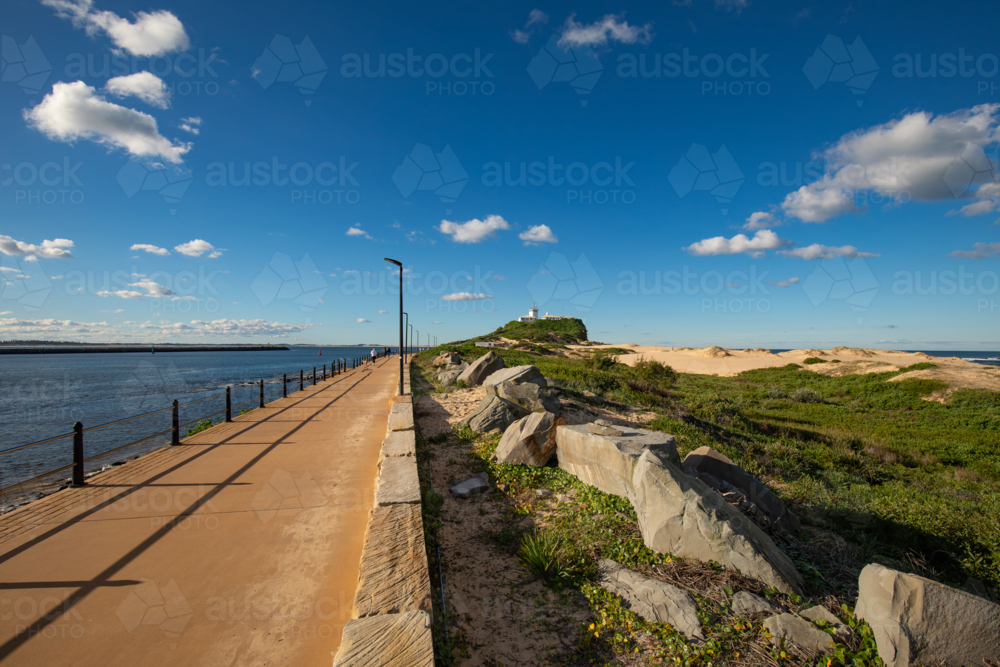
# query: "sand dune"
[[714, 360]]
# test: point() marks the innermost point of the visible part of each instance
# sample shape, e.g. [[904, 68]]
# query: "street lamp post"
[[418, 339], [406, 333], [400, 265]]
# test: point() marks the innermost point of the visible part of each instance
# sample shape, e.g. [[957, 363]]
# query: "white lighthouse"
[[532, 314]]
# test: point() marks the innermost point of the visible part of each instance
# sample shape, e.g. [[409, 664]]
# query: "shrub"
[[922, 366], [203, 425], [653, 372], [540, 555], [814, 360], [807, 396], [776, 392], [600, 362]]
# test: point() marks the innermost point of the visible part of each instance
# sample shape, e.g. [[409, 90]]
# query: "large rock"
[[799, 634], [529, 396], [447, 359], [681, 515], [917, 621], [530, 440], [494, 412], [481, 369], [745, 602], [652, 600], [393, 640], [608, 462], [393, 574], [448, 378], [517, 375], [716, 464]]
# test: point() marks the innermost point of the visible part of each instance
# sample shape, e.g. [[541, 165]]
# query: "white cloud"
[[474, 230], [763, 240], [783, 283], [538, 234], [383, 312], [918, 156], [733, 5], [76, 111], [145, 85], [761, 220], [5, 312], [124, 294], [536, 17], [819, 251], [197, 248], [465, 296], [979, 251], [192, 124], [356, 230], [152, 34], [362, 320], [435, 322], [600, 32], [54, 249], [151, 249]]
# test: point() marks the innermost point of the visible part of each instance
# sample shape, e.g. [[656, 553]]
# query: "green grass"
[[912, 482], [814, 360], [569, 330]]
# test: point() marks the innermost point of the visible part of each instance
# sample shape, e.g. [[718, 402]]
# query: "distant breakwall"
[[143, 350]]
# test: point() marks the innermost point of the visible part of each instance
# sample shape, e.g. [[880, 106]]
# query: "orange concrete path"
[[239, 547]]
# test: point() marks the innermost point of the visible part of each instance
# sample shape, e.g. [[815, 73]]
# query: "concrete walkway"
[[239, 547]]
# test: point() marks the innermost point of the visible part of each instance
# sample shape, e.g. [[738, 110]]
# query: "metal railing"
[[80, 459]]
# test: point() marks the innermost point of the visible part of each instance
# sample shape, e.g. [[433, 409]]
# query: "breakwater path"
[[240, 546]]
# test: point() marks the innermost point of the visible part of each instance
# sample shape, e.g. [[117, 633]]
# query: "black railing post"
[[314, 376], [260, 403], [175, 433], [324, 371], [284, 385], [78, 455], [300, 380], [229, 405]]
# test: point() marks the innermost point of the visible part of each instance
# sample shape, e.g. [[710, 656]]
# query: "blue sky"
[[735, 173]]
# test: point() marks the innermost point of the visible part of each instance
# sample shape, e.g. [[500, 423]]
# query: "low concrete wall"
[[391, 619]]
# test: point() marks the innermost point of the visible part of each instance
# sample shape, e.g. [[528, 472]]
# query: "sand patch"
[[713, 352], [854, 351], [851, 368], [956, 377]]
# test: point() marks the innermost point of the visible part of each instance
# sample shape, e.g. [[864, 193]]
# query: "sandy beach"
[[955, 372]]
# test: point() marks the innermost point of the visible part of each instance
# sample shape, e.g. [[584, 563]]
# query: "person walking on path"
[[373, 356]]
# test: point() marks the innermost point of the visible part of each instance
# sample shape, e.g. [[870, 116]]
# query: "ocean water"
[[43, 395]]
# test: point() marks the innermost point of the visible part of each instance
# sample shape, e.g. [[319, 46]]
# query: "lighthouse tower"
[[531, 316]]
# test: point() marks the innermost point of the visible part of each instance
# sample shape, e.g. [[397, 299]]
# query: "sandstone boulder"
[[799, 634], [529, 396], [446, 358], [711, 462], [397, 482], [516, 374], [652, 600], [917, 621], [493, 412], [681, 515], [604, 427], [481, 369], [748, 603], [608, 462], [530, 440], [448, 378]]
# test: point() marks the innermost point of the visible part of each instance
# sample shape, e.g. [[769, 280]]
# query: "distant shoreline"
[[145, 349]]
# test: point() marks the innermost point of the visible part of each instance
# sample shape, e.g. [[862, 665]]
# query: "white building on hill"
[[532, 315]]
